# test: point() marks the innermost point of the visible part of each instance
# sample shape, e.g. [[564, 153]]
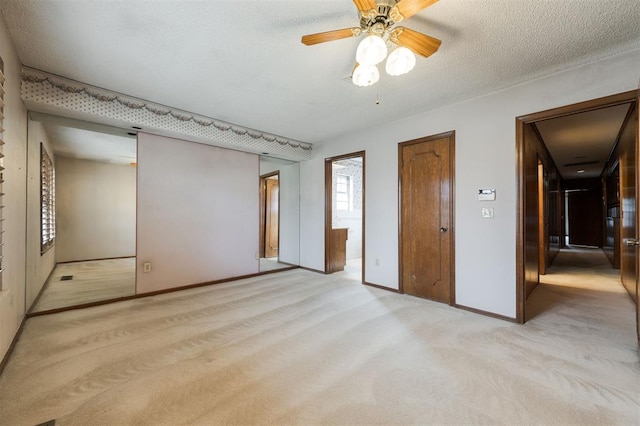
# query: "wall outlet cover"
[[487, 213]]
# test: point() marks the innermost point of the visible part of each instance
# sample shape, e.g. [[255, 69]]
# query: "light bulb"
[[365, 75], [371, 51], [400, 61]]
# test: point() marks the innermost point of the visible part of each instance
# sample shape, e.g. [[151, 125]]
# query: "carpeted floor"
[[93, 280], [301, 348], [352, 270], [271, 264]]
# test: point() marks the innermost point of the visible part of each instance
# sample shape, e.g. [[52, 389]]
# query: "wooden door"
[[531, 230], [636, 116], [628, 205], [585, 215], [426, 217], [271, 219], [629, 208]]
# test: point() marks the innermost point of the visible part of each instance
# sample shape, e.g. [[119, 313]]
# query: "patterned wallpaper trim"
[[49, 90]]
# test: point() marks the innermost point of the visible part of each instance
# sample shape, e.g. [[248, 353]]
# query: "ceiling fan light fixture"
[[371, 51], [365, 75], [400, 61]]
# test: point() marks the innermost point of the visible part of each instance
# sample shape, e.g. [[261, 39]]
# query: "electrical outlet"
[[377, 262], [146, 267]]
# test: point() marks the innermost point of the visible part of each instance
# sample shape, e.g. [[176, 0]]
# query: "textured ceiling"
[[242, 61], [583, 141], [78, 139], [89, 145]]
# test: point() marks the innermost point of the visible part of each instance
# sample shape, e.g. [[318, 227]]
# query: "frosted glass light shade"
[[365, 75], [371, 51], [400, 61]]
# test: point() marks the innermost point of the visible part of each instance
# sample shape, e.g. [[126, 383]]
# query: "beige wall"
[[197, 213], [95, 210], [38, 266], [12, 292]]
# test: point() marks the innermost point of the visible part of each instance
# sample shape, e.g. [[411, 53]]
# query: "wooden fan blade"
[[420, 44], [365, 5], [311, 39], [407, 8]]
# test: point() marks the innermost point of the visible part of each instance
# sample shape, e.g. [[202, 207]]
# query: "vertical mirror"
[[89, 212], [82, 200], [279, 233]]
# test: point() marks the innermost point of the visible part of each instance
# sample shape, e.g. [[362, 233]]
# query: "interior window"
[[344, 193]]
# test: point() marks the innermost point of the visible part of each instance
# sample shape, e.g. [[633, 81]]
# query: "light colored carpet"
[[271, 264], [92, 281], [302, 348], [352, 270]]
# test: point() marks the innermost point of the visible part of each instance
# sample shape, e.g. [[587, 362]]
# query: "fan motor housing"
[[377, 20]]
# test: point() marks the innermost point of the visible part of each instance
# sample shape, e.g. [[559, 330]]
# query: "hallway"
[[581, 291]]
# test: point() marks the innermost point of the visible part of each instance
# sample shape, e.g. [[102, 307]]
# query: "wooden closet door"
[[426, 212]]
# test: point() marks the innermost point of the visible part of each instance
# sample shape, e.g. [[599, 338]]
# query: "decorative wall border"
[[48, 93]]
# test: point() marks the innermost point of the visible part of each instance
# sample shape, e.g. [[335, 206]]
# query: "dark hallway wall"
[[538, 256]]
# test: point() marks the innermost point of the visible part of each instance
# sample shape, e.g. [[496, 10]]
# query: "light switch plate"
[[487, 213]]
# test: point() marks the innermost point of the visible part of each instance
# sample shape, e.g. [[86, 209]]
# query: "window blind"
[[2, 225], [47, 201]]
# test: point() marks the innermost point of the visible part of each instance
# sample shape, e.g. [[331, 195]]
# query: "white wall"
[[39, 266], [289, 209], [95, 210], [12, 292], [197, 213], [485, 158]]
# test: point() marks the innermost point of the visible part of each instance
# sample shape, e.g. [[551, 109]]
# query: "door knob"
[[632, 242], [443, 229]]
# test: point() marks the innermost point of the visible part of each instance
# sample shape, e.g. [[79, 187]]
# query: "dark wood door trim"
[[451, 136], [328, 208], [580, 107], [521, 121]]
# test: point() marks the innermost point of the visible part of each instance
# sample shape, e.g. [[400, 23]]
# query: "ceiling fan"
[[378, 19]]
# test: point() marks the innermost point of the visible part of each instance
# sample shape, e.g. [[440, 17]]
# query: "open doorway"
[[579, 215], [344, 215], [269, 238]]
